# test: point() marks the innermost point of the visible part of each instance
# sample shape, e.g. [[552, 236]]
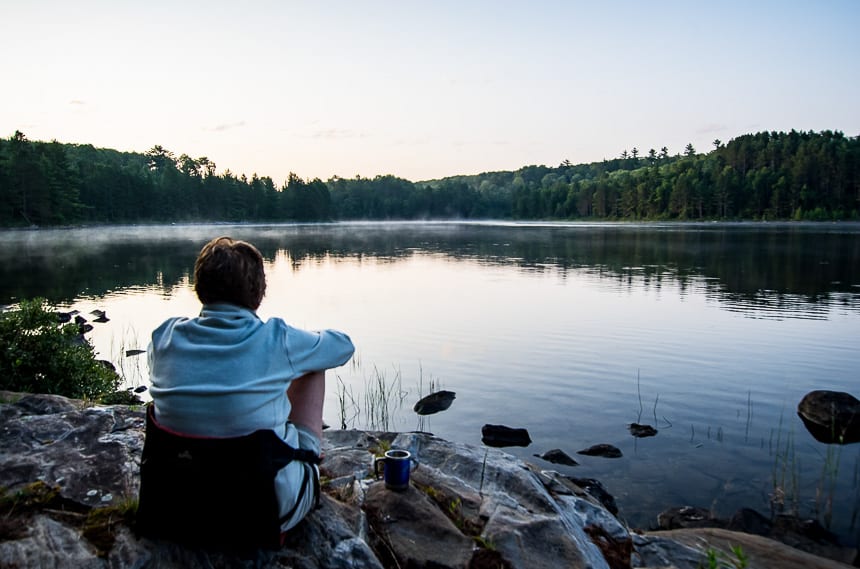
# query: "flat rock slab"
[[417, 533], [92, 454], [685, 547]]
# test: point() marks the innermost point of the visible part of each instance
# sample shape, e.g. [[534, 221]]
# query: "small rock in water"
[[831, 416], [502, 436], [435, 402], [684, 517], [63, 317], [640, 431], [134, 352], [604, 450], [558, 456], [140, 389], [100, 316]]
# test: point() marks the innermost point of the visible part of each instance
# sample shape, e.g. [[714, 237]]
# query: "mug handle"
[[376, 462], [413, 464]]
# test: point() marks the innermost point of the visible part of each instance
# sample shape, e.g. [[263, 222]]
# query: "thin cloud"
[[711, 128], [77, 102], [336, 133], [227, 126]]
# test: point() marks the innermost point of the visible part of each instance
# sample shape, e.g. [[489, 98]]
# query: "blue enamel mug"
[[397, 464]]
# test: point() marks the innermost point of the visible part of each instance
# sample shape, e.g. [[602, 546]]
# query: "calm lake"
[[712, 333]]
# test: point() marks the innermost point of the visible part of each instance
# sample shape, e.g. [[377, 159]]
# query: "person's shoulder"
[[276, 322], [169, 324]]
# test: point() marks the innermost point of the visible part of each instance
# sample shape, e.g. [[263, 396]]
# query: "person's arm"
[[307, 395], [317, 351]]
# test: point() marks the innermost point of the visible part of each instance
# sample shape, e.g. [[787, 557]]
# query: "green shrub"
[[40, 355]]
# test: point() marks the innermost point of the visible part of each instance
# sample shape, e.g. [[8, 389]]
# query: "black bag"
[[212, 492]]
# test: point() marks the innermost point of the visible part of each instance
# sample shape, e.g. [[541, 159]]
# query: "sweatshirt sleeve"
[[316, 351]]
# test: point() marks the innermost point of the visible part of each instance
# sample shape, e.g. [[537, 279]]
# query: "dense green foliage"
[[763, 176], [40, 355], [769, 175]]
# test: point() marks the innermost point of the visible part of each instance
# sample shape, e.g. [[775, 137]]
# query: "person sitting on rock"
[[227, 373]]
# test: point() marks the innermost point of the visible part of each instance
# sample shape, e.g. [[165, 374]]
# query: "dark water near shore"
[[710, 332]]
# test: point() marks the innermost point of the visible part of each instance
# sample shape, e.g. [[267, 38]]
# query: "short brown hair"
[[229, 270]]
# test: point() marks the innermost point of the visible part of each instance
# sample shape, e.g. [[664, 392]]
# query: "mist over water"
[[712, 333]]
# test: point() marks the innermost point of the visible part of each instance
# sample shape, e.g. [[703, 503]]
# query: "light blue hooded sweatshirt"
[[226, 374]]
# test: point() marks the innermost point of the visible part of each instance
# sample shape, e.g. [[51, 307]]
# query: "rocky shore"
[[69, 474]]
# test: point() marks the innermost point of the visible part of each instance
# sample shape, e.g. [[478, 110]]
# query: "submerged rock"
[[603, 449], [434, 403], [641, 431], [831, 416], [502, 436], [558, 456]]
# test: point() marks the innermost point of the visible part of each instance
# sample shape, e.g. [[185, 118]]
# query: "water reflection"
[[762, 270]]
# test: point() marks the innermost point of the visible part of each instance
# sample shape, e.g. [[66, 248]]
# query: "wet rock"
[[502, 436], [641, 431], [748, 520], [598, 491], [603, 449], [434, 403], [802, 534], [558, 456], [134, 352], [831, 416], [686, 549], [809, 535], [687, 517]]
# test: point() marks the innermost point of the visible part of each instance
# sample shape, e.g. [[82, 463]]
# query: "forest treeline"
[[762, 176]]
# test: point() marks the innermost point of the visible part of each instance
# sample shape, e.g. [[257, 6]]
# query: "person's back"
[[226, 373]]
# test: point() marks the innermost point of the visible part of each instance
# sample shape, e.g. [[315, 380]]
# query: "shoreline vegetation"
[[766, 176]]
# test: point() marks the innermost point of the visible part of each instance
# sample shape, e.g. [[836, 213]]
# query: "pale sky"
[[423, 89]]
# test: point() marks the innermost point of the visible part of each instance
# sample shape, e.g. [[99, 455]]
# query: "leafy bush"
[[38, 354]]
